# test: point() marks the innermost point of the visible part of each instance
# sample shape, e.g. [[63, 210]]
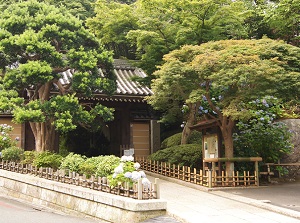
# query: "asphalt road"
[[284, 194], [15, 211]]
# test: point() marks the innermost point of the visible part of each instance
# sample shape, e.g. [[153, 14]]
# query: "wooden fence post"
[[156, 188], [256, 174], [140, 189], [209, 178]]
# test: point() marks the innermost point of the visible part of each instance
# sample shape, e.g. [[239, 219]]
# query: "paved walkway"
[[192, 203]]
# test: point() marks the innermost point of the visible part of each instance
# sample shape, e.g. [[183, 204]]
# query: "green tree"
[[111, 24], [284, 21], [150, 29], [37, 43], [82, 9], [166, 25], [222, 76]]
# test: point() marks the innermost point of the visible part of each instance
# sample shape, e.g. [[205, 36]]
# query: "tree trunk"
[[227, 129], [44, 132], [190, 121], [44, 135]]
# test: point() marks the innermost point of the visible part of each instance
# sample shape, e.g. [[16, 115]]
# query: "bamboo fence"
[[137, 191], [207, 178]]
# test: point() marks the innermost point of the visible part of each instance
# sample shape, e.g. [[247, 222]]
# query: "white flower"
[[136, 166], [135, 176], [119, 169], [127, 158], [114, 175], [146, 183], [123, 158], [143, 175], [130, 158], [128, 175]]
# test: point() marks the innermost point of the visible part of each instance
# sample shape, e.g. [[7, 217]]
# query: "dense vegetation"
[[208, 60]]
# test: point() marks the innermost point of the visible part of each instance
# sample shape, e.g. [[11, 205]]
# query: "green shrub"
[[107, 165], [29, 157], [182, 155], [89, 166], [72, 162], [47, 159], [12, 154], [173, 140], [127, 172], [195, 138], [5, 139]]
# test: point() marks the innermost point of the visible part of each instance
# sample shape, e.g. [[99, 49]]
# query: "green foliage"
[[48, 159], [283, 19], [89, 166], [9, 99], [223, 76], [38, 42], [173, 140], [72, 162], [107, 165], [5, 139], [29, 157], [261, 136], [127, 172], [111, 24], [182, 155], [195, 138], [12, 153]]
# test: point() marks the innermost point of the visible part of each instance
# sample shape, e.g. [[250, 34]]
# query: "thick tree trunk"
[[190, 121], [44, 135], [44, 132], [227, 129]]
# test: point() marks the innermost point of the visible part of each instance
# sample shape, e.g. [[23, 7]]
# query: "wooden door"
[[141, 139]]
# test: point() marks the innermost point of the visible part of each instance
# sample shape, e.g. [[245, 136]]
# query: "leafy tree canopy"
[[37, 43], [225, 74], [217, 79], [82, 9], [111, 24]]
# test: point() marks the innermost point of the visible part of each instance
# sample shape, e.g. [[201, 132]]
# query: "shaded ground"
[[282, 194]]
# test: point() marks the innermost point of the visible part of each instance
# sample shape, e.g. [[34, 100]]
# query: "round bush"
[[173, 140], [107, 165], [12, 154], [89, 166], [195, 138], [182, 155], [47, 159], [72, 162], [29, 157]]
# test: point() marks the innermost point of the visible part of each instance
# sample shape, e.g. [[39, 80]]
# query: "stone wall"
[[294, 156], [79, 200]]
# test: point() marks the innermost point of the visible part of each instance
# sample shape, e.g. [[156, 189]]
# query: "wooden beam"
[[234, 159]]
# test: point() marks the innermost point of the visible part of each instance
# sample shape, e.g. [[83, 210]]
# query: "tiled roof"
[[124, 72]]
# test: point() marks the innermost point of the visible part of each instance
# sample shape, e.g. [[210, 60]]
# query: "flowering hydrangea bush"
[[5, 139], [261, 135], [128, 172]]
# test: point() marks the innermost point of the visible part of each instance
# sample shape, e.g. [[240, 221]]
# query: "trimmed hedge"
[[174, 140], [182, 155]]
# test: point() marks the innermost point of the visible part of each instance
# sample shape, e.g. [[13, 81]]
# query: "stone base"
[[79, 200]]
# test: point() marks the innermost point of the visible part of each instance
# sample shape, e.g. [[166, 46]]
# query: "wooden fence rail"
[[206, 178], [138, 191]]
